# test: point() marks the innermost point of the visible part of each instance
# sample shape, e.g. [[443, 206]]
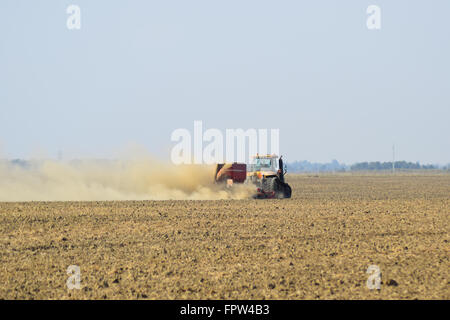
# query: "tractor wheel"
[[287, 191], [279, 195], [270, 185], [274, 185]]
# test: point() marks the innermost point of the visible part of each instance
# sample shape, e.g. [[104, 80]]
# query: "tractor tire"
[[270, 185], [279, 195], [284, 191], [273, 184], [287, 191], [281, 189]]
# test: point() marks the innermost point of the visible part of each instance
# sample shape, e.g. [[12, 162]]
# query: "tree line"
[[335, 166], [388, 166]]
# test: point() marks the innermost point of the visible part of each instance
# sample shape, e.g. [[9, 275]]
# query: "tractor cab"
[[263, 166]]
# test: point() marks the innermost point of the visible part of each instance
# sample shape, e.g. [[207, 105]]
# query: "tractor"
[[266, 172]]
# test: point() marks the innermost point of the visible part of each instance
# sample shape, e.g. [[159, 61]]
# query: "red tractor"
[[265, 172]]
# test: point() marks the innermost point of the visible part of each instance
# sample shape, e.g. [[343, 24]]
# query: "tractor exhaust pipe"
[[281, 169]]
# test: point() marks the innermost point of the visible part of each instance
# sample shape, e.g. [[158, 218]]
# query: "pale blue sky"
[[137, 70]]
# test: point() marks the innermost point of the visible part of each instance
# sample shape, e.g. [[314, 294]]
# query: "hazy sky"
[[137, 70]]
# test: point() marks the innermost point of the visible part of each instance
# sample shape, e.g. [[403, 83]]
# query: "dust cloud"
[[91, 180]]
